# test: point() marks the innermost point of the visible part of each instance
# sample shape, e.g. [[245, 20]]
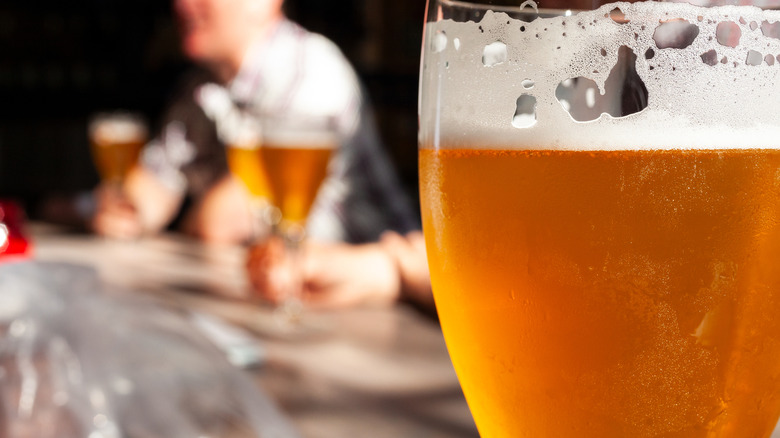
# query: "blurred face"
[[218, 31]]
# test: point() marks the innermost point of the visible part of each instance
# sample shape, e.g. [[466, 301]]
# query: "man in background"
[[265, 64]]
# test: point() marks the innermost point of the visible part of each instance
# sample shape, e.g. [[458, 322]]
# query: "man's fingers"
[[269, 270], [117, 224]]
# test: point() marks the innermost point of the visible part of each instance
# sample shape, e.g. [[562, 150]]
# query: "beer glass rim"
[[489, 5], [133, 120], [514, 9], [312, 131], [480, 7]]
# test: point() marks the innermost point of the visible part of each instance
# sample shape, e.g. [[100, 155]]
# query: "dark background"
[[61, 61]]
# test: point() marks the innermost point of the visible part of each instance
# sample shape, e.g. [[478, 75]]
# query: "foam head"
[[112, 128], [301, 131], [646, 75], [240, 130]]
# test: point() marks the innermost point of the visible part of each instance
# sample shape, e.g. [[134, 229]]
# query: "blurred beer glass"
[[243, 139], [601, 204], [296, 152], [116, 140]]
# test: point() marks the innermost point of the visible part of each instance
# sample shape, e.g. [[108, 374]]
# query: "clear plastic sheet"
[[77, 360]]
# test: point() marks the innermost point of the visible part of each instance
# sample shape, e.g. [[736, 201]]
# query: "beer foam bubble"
[[705, 78], [118, 128]]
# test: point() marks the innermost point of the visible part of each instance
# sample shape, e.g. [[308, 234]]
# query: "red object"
[[13, 242]]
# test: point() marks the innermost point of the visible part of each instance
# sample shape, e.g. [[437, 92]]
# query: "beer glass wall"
[[601, 206]]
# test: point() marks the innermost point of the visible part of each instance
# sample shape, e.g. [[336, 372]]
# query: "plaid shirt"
[[291, 72]]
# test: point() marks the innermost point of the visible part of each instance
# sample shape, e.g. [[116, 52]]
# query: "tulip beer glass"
[[296, 153], [601, 206]]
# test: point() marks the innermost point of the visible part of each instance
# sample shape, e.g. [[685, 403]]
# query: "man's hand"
[[408, 251], [115, 216], [333, 275], [141, 205]]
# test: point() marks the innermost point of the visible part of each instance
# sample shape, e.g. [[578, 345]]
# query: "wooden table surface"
[[367, 372]]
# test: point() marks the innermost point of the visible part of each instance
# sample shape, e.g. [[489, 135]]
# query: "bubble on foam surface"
[[771, 30], [753, 58], [728, 33], [525, 113], [675, 34], [618, 16], [691, 101], [494, 53], [440, 41], [710, 57], [623, 93]]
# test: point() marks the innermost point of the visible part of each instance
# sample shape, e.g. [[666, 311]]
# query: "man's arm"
[[143, 205], [340, 275]]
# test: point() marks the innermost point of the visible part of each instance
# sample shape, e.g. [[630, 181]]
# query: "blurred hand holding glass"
[[116, 140], [602, 215]]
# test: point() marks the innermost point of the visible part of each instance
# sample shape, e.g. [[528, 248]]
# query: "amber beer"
[[609, 294], [295, 172], [246, 163], [116, 141]]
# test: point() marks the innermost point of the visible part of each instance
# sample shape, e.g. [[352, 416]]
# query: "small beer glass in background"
[[600, 196], [296, 154], [116, 140], [242, 135]]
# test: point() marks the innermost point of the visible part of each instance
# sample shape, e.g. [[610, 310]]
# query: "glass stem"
[[265, 220], [292, 306], [259, 227]]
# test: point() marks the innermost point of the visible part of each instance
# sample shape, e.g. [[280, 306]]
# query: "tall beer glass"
[[601, 206]]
